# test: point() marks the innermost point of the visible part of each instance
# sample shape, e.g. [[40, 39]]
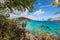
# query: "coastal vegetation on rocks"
[[15, 29], [9, 28]]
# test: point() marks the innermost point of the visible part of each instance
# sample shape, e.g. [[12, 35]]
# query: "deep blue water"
[[31, 25]]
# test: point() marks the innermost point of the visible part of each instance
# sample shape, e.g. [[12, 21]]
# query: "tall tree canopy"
[[17, 4]]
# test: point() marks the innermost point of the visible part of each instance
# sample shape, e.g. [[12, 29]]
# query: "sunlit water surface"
[[36, 25]]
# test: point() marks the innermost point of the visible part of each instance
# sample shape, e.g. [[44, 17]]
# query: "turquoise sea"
[[49, 26]]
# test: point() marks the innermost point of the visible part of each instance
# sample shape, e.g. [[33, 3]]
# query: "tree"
[[56, 3], [8, 27], [17, 4], [49, 19]]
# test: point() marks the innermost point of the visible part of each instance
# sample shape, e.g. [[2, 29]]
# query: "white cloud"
[[17, 13], [46, 6], [39, 12], [34, 17]]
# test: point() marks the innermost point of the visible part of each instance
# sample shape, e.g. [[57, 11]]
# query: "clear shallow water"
[[31, 25]]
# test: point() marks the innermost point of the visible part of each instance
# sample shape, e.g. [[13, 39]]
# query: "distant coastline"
[[28, 19]]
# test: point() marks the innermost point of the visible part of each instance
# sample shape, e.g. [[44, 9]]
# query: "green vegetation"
[[9, 28], [46, 35], [56, 3], [17, 4], [49, 19]]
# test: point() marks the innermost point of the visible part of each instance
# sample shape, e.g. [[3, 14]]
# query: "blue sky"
[[44, 10]]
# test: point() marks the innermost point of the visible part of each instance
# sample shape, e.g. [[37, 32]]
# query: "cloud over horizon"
[[40, 11], [33, 15]]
